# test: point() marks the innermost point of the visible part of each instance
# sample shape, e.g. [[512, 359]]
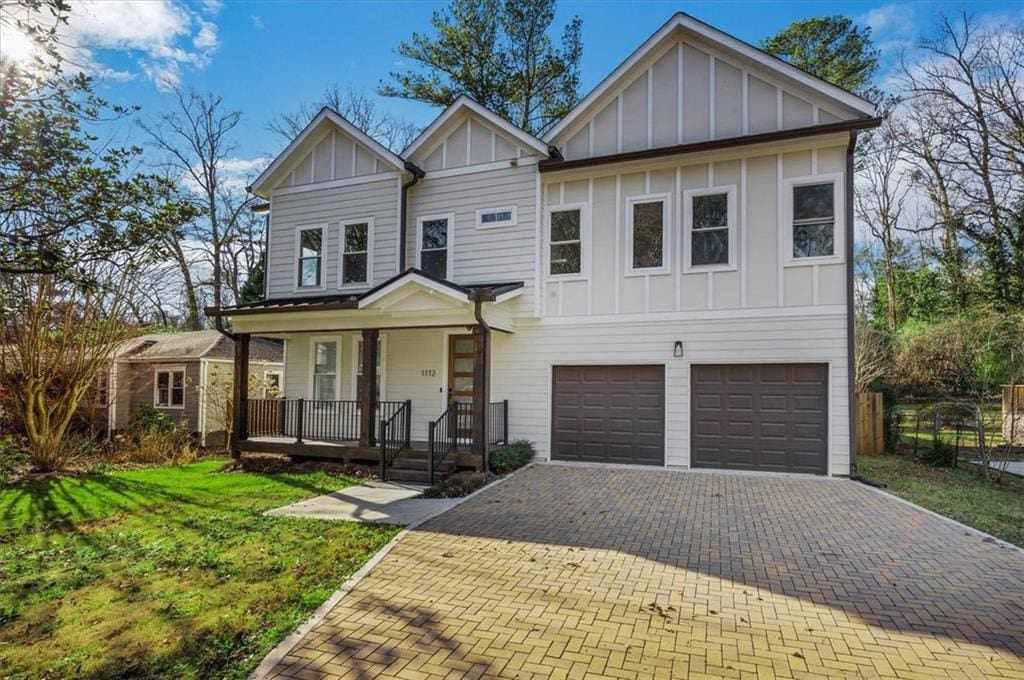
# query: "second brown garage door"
[[609, 414], [770, 417]]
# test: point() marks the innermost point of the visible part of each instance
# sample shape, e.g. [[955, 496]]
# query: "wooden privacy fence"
[[870, 423], [1013, 414]]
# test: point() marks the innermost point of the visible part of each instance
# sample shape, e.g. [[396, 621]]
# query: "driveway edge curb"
[[281, 650], [969, 529]]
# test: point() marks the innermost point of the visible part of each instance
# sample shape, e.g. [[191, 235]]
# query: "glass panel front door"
[[460, 381]]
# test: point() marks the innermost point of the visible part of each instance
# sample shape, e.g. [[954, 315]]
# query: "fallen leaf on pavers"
[[447, 554], [712, 611], [798, 655], [574, 565]]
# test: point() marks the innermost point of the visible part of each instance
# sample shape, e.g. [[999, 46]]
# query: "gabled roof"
[[327, 116], [191, 346], [500, 292], [744, 49], [466, 103]]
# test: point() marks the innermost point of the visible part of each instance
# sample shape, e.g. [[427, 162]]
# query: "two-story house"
[[665, 279]]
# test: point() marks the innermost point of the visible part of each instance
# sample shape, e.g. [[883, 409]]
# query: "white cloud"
[[257, 22], [235, 173], [161, 37], [893, 26]]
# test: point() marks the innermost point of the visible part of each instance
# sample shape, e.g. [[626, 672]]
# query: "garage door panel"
[[616, 414], [760, 417]]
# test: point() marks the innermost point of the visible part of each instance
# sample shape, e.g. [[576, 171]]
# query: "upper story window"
[[490, 218], [310, 249], [356, 237], [169, 390], [710, 228], [646, 219], [325, 370], [434, 241], [814, 220], [566, 239]]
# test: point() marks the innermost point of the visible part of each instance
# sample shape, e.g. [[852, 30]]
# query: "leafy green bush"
[[150, 420], [153, 436], [505, 459], [458, 485]]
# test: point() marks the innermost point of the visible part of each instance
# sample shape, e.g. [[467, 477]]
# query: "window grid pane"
[[815, 239], [435, 262], [566, 244], [435, 234], [710, 246], [710, 211], [814, 220], [648, 234], [565, 258]]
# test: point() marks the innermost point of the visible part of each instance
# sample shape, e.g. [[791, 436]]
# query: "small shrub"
[[458, 485], [505, 459], [153, 436], [939, 454]]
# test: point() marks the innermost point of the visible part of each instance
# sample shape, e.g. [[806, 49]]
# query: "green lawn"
[[960, 493], [164, 572]]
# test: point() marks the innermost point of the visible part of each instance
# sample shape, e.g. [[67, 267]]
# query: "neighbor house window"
[[496, 217], [709, 227], [814, 220], [358, 387], [325, 370], [272, 384], [646, 219], [566, 241], [310, 248], [355, 252], [434, 245], [170, 389]]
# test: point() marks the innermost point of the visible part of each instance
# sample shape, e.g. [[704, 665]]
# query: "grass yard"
[[960, 493], [164, 572]]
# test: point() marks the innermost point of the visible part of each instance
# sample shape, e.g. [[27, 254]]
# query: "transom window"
[[566, 242], [325, 370], [496, 217], [435, 238], [710, 227], [170, 389], [310, 249], [814, 220], [647, 219], [355, 252]]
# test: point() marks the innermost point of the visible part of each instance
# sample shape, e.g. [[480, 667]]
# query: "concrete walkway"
[[623, 573], [373, 503]]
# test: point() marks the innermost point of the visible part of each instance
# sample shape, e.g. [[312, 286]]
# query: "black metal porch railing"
[[313, 419], [497, 424], [395, 435], [444, 435]]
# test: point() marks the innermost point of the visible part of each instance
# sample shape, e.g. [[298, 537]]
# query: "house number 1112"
[[428, 372]]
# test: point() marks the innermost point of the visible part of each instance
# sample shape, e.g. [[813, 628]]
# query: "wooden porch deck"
[[348, 451]]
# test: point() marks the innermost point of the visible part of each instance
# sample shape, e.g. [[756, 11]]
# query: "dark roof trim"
[[484, 291], [550, 165]]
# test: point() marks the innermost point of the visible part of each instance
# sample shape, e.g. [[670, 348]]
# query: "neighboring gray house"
[[188, 376], [664, 279]]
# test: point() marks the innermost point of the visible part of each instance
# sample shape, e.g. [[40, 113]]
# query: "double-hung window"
[[310, 247], [566, 241], [325, 370], [434, 241], [710, 228], [169, 390], [647, 218], [814, 220], [356, 240]]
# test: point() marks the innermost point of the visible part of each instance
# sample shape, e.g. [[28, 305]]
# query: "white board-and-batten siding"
[[691, 91]]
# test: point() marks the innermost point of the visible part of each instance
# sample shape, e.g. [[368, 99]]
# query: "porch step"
[[416, 468]]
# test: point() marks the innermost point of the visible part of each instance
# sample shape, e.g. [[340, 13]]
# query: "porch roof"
[[484, 292]]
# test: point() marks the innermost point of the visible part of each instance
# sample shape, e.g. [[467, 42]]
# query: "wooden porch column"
[[367, 398], [240, 393], [481, 389]]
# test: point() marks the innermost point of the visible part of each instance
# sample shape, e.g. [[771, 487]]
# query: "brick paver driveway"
[[583, 572]]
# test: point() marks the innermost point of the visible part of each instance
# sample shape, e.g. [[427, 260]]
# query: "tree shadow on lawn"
[[833, 543]]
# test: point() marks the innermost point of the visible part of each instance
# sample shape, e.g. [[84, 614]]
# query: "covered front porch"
[[425, 408]]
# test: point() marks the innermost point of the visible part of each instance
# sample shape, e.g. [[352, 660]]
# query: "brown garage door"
[[609, 414], [760, 417]]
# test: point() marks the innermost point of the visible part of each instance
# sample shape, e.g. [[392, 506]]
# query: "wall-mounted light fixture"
[[677, 349]]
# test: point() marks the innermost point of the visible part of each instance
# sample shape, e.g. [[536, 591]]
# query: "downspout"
[[417, 174]]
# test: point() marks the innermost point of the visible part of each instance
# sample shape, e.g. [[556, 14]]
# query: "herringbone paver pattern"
[[615, 573]]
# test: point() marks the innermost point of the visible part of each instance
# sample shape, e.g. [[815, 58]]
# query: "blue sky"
[[265, 56]]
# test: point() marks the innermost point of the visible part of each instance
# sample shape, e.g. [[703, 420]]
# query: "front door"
[[460, 381]]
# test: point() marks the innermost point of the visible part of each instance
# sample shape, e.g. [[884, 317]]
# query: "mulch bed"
[[275, 465]]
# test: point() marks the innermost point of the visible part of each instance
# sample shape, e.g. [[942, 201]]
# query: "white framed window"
[[813, 220], [357, 367], [309, 257], [709, 229], [493, 218], [273, 384], [568, 232], [169, 388], [647, 234], [324, 369], [355, 267], [435, 244]]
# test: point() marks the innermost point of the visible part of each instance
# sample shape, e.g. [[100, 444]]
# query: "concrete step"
[[414, 476]]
